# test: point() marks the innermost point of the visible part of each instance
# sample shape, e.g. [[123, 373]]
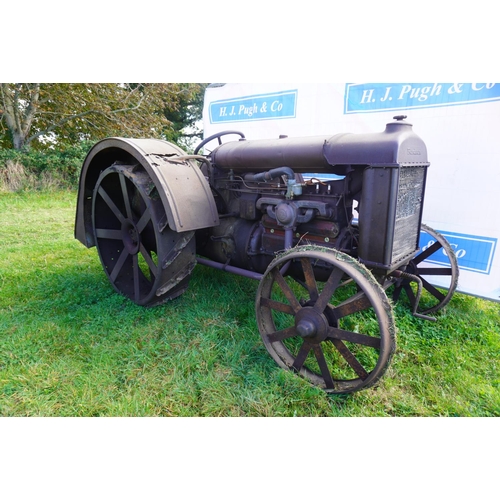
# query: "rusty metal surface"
[[184, 191]]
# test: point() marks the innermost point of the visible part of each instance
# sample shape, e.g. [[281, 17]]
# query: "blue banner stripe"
[[474, 253], [372, 97], [256, 107]]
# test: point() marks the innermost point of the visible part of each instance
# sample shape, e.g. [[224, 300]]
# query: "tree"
[[19, 107], [185, 118], [43, 115]]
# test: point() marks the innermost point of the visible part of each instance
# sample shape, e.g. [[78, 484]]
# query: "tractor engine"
[[276, 194]]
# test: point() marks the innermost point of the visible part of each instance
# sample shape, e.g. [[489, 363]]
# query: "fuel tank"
[[396, 145]]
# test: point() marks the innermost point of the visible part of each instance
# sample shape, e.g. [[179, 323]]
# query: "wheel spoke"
[[397, 293], [410, 293], [428, 252], [111, 205], [354, 304], [432, 290], [282, 334], [126, 199], [277, 306], [143, 221], [301, 356], [356, 338], [435, 271], [152, 266], [286, 289], [135, 267], [350, 358], [320, 357], [110, 234], [119, 264], [329, 289], [310, 279]]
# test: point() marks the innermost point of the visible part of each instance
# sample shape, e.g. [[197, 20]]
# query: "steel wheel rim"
[[435, 298], [124, 229], [320, 334]]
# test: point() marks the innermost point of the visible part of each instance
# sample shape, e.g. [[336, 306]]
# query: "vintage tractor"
[[328, 225]]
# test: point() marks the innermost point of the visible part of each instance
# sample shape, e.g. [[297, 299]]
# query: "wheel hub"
[[130, 236], [311, 325]]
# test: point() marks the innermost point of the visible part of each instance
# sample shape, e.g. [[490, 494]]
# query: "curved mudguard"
[[183, 189]]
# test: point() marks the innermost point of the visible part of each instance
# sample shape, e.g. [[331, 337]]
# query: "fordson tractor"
[[328, 225]]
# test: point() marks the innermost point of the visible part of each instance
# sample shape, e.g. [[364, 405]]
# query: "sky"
[[262, 41]]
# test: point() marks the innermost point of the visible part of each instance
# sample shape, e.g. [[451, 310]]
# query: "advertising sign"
[[372, 97], [259, 107], [459, 123]]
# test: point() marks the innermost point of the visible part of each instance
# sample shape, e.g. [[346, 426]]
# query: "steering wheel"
[[217, 136]]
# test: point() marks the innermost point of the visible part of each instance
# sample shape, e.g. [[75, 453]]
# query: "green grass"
[[71, 346]]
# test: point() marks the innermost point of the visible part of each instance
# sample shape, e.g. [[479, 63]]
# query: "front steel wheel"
[[143, 258], [338, 333], [436, 262]]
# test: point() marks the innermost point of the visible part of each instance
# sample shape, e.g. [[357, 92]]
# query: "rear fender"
[[183, 189]]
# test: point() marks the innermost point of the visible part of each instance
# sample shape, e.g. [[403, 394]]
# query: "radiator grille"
[[408, 210]]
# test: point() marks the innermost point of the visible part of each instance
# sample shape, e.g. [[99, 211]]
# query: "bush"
[[13, 176], [22, 170]]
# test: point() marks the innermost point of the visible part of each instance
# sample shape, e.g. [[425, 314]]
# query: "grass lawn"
[[71, 346]]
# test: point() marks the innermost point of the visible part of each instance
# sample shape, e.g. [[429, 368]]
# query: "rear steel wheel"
[[445, 273], [143, 258], [338, 334]]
